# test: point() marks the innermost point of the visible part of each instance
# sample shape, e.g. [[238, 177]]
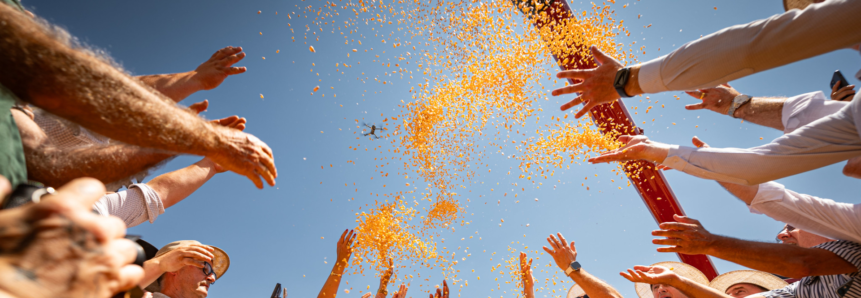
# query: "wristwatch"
[[621, 80], [737, 102], [575, 266]]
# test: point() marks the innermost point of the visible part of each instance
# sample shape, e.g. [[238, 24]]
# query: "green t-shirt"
[[12, 164]]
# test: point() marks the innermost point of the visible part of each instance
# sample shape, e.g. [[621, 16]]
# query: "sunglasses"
[[207, 271]]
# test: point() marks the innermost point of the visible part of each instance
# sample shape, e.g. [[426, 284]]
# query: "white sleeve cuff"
[[677, 157], [650, 76], [768, 192], [153, 204]]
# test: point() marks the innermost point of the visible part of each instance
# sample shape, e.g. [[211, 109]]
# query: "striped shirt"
[[827, 286]]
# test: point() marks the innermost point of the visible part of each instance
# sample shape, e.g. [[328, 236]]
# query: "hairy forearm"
[[765, 111], [787, 260], [56, 167], [93, 94], [694, 289], [746, 193], [152, 271], [594, 287], [330, 288], [176, 86], [175, 186]]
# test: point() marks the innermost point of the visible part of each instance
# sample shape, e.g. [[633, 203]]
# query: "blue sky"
[[274, 235]]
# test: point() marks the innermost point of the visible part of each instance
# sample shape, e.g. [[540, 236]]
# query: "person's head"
[[795, 236], [667, 291], [743, 283], [190, 281]]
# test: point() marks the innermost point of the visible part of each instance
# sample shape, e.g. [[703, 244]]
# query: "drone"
[[373, 131]]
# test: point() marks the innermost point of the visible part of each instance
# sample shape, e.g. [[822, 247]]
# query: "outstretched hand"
[[402, 292], [717, 99], [212, 73], [636, 147], [526, 276], [686, 235], [650, 275], [59, 248], [345, 246], [245, 155], [563, 253], [441, 293], [595, 86]]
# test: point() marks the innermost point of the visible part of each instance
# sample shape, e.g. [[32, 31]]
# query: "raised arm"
[[345, 250], [688, 236], [99, 97], [191, 255], [526, 277], [564, 254], [660, 275], [207, 76], [760, 110]]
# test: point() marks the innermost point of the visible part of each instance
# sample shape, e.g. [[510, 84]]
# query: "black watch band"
[[621, 80]]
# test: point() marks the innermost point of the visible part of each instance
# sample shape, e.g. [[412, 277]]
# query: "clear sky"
[[287, 233]]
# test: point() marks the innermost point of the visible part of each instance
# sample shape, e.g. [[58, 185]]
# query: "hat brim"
[[220, 263], [796, 4], [575, 291], [759, 278], [644, 290]]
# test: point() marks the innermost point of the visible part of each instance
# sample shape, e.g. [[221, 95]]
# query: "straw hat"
[[576, 291], [220, 263], [759, 278], [690, 272], [797, 4]]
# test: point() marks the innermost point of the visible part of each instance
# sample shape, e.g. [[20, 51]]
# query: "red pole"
[[650, 183]]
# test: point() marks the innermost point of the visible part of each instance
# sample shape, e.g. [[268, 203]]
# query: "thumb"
[[699, 143], [684, 219], [199, 107], [600, 57]]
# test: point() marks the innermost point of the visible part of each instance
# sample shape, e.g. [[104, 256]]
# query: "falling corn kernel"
[[311, 48]]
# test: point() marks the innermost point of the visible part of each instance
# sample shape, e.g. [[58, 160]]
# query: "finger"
[[600, 57], [561, 238], [694, 93], [569, 89], [834, 88], [695, 106], [573, 74], [642, 268], [445, 290], [678, 226], [366, 295], [236, 70], [668, 241], [588, 107], [265, 173], [549, 251], [226, 51], [670, 234], [232, 59], [670, 249], [556, 244], [5, 187], [128, 276], [199, 107], [628, 276], [685, 219], [255, 179], [576, 101], [193, 262]]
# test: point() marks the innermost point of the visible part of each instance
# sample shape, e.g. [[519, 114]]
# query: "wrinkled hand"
[[402, 292], [686, 235], [651, 275], [345, 246], [59, 248], [843, 94], [596, 86], [211, 73], [636, 147], [192, 255], [563, 253], [717, 99], [526, 276], [441, 293], [245, 155]]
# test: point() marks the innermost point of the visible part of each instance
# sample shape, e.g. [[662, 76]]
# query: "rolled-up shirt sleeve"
[[823, 142], [827, 218], [745, 49], [802, 109], [134, 206]]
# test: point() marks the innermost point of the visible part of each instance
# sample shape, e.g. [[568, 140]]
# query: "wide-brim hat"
[[219, 264], [575, 291], [759, 278], [796, 4], [644, 290]]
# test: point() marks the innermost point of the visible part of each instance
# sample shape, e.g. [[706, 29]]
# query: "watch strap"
[[621, 80], [737, 102], [574, 266]]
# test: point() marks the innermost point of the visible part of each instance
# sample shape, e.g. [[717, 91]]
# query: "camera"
[[25, 193]]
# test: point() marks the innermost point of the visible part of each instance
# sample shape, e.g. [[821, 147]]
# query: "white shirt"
[[802, 109], [745, 49], [134, 206], [828, 140]]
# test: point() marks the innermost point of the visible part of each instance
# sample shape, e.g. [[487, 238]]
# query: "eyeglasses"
[[207, 270]]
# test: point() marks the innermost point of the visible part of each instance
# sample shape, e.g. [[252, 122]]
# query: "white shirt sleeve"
[[803, 109], [828, 140], [745, 49], [827, 218], [134, 206]]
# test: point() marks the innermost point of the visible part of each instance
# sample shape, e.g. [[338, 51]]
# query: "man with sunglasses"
[[827, 268], [185, 269]]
